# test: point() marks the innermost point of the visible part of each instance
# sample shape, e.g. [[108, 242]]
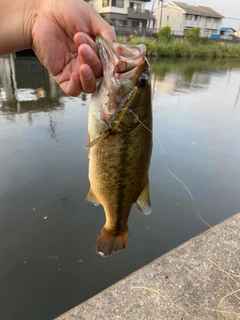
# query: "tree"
[[193, 35], [165, 34]]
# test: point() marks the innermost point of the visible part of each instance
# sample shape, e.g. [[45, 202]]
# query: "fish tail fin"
[[108, 242]]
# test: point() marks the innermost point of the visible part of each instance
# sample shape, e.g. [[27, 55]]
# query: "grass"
[[227, 308], [182, 48]]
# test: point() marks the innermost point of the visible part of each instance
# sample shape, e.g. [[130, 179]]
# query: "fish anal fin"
[[143, 202], [91, 198], [108, 242]]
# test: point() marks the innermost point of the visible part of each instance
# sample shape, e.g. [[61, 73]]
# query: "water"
[[48, 230]]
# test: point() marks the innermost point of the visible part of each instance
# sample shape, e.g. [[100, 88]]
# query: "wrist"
[[30, 15], [16, 24]]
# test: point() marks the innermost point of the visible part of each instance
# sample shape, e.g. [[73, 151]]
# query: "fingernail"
[[87, 73], [87, 52]]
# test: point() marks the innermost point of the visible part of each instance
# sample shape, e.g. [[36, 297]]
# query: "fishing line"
[[172, 174]]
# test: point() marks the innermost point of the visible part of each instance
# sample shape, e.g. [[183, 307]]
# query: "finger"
[[81, 38], [102, 27], [88, 56], [73, 86], [87, 78]]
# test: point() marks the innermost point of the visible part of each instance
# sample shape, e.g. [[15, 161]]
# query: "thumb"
[[103, 28]]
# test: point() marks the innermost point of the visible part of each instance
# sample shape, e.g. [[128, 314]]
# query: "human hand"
[[63, 40]]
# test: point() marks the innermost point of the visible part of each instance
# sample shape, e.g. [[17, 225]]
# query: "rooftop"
[[227, 29], [198, 10]]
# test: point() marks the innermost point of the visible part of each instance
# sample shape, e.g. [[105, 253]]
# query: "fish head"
[[125, 70]]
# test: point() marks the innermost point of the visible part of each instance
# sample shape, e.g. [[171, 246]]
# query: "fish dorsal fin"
[[91, 198], [143, 202]]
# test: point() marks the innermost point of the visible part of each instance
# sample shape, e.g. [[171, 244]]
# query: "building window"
[[117, 3], [105, 3], [135, 23], [120, 22], [167, 19], [188, 17], [136, 7]]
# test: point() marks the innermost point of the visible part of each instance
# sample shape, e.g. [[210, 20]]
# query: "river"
[[48, 230]]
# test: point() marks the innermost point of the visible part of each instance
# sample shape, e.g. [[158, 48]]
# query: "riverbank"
[[198, 280], [178, 48]]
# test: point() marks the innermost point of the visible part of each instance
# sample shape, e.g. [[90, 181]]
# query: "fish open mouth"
[[121, 61]]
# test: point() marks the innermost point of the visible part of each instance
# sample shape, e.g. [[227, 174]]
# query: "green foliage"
[[173, 49], [135, 34], [205, 40], [183, 48], [193, 35], [165, 34]]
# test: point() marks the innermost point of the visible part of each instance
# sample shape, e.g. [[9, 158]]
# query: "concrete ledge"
[[198, 280]]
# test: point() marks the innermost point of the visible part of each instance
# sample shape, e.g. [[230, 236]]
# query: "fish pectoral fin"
[[143, 202], [91, 198], [98, 139]]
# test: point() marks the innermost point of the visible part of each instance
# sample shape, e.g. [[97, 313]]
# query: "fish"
[[120, 140]]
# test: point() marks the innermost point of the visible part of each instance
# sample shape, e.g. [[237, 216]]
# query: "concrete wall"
[[198, 280]]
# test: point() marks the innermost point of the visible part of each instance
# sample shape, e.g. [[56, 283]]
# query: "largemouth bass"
[[120, 141]]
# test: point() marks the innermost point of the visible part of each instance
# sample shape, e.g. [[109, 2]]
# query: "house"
[[227, 33], [126, 16], [182, 17]]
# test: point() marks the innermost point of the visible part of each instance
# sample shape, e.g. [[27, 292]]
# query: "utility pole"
[[152, 10], [160, 26]]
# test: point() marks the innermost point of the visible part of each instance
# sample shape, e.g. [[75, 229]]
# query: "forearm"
[[16, 20]]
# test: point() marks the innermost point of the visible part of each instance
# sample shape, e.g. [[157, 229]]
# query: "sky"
[[228, 8]]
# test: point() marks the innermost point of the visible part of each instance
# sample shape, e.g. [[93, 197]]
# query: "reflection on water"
[[44, 183], [18, 90], [181, 75], [37, 91], [26, 87]]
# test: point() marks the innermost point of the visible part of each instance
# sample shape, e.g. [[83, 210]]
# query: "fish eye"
[[143, 80]]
